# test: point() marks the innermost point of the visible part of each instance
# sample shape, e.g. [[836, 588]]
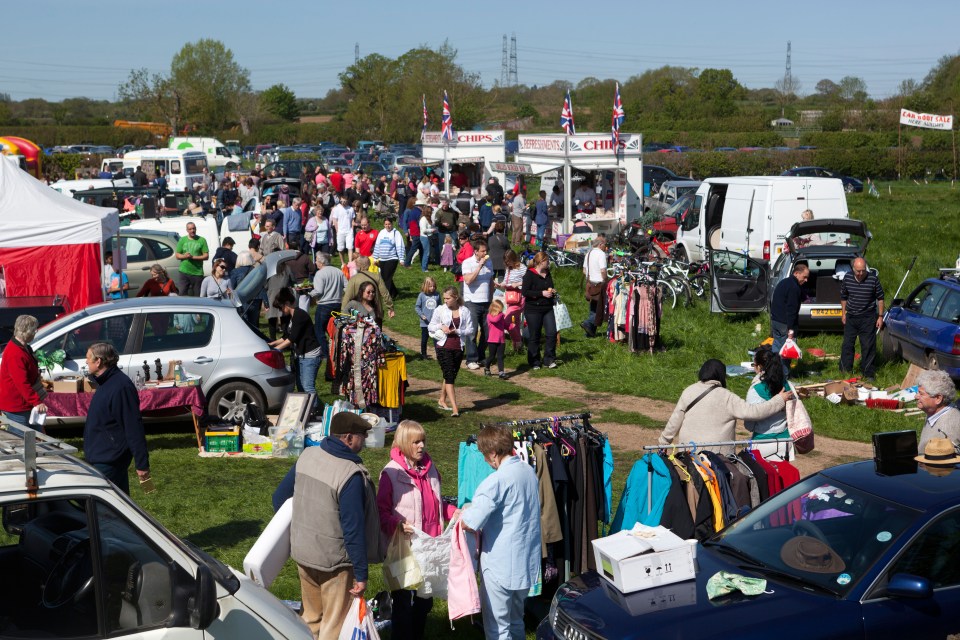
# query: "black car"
[[850, 184], [293, 168], [654, 175]]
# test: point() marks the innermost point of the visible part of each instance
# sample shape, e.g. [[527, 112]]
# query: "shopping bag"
[[562, 316], [433, 557], [790, 350], [400, 568], [359, 623], [799, 425]]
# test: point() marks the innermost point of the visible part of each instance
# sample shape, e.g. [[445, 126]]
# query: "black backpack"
[[255, 418]]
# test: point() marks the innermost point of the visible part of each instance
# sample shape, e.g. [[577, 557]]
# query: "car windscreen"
[[680, 207], [831, 239], [818, 534]]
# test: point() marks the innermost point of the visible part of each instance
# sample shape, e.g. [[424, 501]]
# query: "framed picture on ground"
[[296, 411]]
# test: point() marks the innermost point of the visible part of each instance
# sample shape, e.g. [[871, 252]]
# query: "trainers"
[[536, 367], [486, 371], [552, 365], [473, 366], [502, 375]]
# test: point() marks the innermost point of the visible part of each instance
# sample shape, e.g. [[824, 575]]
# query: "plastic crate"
[[223, 442]]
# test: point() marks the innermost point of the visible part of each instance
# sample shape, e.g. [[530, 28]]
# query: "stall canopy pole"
[[567, 199]]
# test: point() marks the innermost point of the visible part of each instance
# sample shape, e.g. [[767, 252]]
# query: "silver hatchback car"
[[208, 336]]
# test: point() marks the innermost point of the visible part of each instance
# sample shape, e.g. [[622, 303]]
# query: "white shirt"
[[479, 290], [595, 266], [344, 218]]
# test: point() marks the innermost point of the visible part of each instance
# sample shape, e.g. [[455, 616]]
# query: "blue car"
[[850, 184], [924, 327], [854, 551]]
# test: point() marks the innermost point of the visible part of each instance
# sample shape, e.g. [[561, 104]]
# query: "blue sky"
[[57, 49]]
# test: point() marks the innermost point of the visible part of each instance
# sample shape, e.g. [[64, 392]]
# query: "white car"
[[208, 336], [82, 560]]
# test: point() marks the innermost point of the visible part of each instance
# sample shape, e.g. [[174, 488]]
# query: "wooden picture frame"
[[295, 411]]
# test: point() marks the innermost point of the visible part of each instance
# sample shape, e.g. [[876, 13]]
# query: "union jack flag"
[[424, 130], [566, 116], [446, 124], [616, 120]]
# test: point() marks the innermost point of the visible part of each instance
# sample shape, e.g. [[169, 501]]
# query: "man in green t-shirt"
[[191, 251]]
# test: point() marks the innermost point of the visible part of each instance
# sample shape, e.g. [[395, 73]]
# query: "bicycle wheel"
[[667, 293], [682, 287], [700, 286]]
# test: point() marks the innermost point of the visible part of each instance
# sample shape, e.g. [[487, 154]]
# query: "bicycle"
[[561, 258]]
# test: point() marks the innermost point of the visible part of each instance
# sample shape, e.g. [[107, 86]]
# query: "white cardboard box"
[[644, 557]]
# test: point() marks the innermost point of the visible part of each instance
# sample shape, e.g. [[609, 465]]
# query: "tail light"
[[273, 358], [766, 250], [956, 344]]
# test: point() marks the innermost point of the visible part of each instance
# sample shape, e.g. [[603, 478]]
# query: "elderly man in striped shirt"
[[861, 299]]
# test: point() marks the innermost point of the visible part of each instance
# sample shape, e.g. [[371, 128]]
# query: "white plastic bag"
[[433, 556], [359, 623]]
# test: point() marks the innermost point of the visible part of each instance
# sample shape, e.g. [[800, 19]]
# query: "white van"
[[183, 167], [752, 215], [217, 153], [70, 187], [88, 562]]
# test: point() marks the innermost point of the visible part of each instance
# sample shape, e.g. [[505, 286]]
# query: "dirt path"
[[628, 437]]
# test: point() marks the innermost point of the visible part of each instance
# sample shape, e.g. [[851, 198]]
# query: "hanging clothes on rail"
[[360, 356]]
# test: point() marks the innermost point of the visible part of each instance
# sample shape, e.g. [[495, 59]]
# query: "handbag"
[[594, 291], [359, 623], [400, 567], [511, 296], [562, 315], [799, 425]]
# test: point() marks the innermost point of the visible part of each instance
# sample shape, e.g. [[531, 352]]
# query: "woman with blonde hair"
[[409, 497], [539, 297], [159, 283], [451, 327]]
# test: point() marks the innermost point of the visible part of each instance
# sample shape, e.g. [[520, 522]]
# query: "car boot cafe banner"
[[926, 121]]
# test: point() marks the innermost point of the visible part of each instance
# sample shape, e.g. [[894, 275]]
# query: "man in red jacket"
[[336, 180], [20, 386]]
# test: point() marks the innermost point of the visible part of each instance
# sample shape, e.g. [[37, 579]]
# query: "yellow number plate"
[[825, 313]]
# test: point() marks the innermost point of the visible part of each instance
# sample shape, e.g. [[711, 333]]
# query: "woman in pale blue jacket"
[[506, 509]]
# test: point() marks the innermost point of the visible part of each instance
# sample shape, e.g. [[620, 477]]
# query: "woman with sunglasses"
[[217, 285]]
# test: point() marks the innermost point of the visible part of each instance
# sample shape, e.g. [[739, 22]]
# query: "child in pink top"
[[497, 325]]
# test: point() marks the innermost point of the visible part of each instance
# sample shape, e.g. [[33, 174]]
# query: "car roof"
[[57, 471], [918, 489], [683, 183]]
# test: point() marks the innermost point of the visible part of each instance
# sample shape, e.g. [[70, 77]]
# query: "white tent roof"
[[32, 214]]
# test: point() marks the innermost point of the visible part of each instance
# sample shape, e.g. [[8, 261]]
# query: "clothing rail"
[[695, 446], [519, 423], [725, 443]]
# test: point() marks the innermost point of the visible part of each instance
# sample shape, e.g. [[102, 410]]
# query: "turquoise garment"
[[633, 503], [506, 511], [607, 481], [472, 470]]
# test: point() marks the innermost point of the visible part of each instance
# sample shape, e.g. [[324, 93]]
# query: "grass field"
[[223, 505]]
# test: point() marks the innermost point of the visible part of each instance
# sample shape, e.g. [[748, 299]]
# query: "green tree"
[[281, 102], [207, 77], [718, 91], [152, 96], [853, 89]]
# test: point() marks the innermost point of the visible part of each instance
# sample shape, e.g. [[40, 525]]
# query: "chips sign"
[[926, 120]]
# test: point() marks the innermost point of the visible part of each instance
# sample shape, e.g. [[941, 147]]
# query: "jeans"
[[18, 417], [424, 341], [527, 223], [541, 230], [779, 331], [409, 619], [412, 247], [293, 240], [478, 313], [502, 611], [494, 350], [116, 472], [442, 239], [537, 319], [308, 375], [321, 317], [863, 327], [424, 252]]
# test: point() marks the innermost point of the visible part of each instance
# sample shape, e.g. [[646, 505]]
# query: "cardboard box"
[[188, 382], [222, 441], [68, 385], [644, 557]]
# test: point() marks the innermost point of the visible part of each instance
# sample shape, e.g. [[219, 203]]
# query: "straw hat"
[[939, 452], [809, 554]]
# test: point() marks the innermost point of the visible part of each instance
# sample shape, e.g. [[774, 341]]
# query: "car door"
[[920, 320], [739, 283], [188, 334], [114, 328], [933, 554]]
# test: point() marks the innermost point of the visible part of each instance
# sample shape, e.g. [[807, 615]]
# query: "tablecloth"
[[67, 405]]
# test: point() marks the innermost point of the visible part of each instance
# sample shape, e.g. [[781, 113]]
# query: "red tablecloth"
[[68, 405]]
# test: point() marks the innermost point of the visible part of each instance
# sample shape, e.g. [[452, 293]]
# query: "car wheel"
[[680, 253], [888, 347], [933, 362], [230, 400]]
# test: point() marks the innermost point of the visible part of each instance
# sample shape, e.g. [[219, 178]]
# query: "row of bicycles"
[[681, 284]]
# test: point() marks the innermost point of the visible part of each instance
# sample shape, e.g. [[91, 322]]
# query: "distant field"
[[315, 119]]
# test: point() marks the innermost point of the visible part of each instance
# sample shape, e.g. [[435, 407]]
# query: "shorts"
[[345, 240]]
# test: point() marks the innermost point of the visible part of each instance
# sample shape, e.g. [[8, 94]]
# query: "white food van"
[[184, 167]]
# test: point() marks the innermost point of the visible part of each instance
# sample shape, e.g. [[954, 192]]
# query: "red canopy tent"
[[51, 244]]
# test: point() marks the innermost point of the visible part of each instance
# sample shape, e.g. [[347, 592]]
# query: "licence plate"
[[825, 313]]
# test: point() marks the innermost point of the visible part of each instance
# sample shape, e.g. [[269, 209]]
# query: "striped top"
[[861, 297], [389, 246]]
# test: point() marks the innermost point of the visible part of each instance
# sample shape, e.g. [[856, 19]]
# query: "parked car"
[[89, 562], [207, 335], [293, 167], [142, 249], [654, 176], [665, 197], [369, 168], [924, 327], [850, 184], [855, 551], [828, 247]]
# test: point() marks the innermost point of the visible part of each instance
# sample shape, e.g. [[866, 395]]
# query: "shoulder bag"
[[799, 425], [512, 295], [699, 398]]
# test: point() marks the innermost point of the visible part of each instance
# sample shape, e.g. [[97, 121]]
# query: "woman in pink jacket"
[[409, 496]]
